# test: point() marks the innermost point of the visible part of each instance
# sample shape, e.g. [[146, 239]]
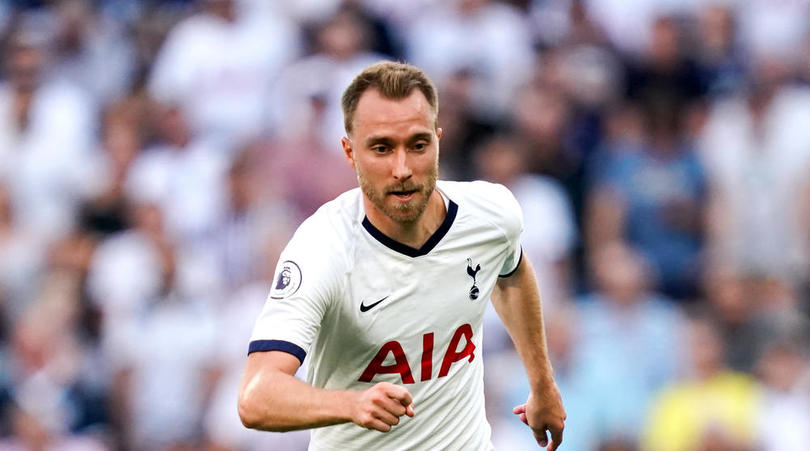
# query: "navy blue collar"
[[452, 209]]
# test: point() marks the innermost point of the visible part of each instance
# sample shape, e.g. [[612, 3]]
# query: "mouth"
[[404, 195]]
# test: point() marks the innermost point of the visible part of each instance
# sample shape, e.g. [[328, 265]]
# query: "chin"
[[404, 216]]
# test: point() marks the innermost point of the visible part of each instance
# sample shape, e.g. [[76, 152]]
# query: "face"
[[24, 68], [394, 148]]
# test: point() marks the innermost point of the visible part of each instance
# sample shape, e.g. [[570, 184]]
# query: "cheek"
[[427, 164], [370, 169], [373, 173]]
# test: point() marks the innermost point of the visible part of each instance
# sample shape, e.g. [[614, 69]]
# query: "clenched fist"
[[380, 406]]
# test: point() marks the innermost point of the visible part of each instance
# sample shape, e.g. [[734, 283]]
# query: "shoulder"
[[330, 230], [492, 202], [477, 193], [318, 254]]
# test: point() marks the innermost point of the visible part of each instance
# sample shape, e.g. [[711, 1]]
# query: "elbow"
[[247, 413], [252, 416]]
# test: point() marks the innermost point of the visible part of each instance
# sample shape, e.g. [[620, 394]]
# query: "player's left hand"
[[544, 413]]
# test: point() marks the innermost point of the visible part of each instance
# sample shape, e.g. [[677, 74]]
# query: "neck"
[[413, 234]]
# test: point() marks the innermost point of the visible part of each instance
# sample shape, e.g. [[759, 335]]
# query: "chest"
[[396, 297]]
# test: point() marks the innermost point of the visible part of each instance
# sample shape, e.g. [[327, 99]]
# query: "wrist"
[[348, 401], [542, 380]]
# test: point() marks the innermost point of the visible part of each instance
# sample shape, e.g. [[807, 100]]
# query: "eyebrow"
[[379, 140], [389, 142], [420, 137]]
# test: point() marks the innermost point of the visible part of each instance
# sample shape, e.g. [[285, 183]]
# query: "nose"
[[402, 169]]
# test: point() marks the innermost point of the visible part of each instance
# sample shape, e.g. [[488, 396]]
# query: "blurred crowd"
[[155, 157]]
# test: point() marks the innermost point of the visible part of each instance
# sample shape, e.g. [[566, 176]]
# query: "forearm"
[[274, 400], [517, 301]]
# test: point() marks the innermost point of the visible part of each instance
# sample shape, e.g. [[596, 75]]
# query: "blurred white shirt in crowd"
[[168, 354], [308, 97], [221, 73], [774, 29], [493, 42], [627, 23], [49, 166], [549, 232], [124, 272], [759, 172], [783, 419], [189, 184], [21, 259]]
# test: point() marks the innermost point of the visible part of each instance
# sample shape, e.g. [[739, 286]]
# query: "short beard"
[[402, 213]]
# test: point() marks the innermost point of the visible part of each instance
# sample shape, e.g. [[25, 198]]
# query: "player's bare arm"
[[517, 300], [272, 399]]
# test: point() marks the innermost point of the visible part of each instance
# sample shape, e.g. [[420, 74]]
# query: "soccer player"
[[385, 287]]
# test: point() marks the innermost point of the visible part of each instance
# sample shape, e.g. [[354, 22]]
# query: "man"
[[382, 293]]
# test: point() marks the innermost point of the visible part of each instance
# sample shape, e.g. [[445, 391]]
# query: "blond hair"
[[393, 80]]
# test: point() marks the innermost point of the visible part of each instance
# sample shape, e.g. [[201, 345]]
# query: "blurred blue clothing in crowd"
[[625, 354], [663, 197]]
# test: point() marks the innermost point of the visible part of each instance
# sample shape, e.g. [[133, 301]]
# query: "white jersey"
[[369, 309]]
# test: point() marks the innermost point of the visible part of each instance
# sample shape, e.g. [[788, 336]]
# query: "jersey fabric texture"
[[368, 309]]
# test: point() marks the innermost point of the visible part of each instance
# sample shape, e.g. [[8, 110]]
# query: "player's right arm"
[[272, 399], [307, 281]]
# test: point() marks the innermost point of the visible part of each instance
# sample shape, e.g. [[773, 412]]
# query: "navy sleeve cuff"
[[277, 345], [520, 260]]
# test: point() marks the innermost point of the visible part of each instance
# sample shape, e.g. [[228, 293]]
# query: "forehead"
[[375, 113]]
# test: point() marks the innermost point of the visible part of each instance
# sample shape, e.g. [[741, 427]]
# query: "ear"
[[439, 132], [348, 152]]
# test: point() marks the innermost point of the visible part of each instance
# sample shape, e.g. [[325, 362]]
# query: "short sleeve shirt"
[[365, 308]]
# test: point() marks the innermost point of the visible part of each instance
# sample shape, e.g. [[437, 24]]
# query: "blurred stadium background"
[[156, 155]]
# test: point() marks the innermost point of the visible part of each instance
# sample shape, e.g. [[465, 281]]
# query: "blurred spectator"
[[749, 307], [542, 120], [667, 73], [183, 173], [720, 58], [218, 66], [307, 95], [126, 274], [165, 382], [462, 129], [591, 77], [121, 139], [489, 39], [655, 199], [21, 256], [756, 147], [629, 23], [552, 20], [623, 321], [56, 400], [251, 223], [92, 52], [773, 30], [783, 418], [736, 312], [302, 172], [715, 408], [46, 131]]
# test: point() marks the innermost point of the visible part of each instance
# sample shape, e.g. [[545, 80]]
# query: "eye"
[[379, 149], [421, 146]]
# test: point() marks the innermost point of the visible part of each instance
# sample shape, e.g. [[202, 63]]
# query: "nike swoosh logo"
[[365, 308]]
